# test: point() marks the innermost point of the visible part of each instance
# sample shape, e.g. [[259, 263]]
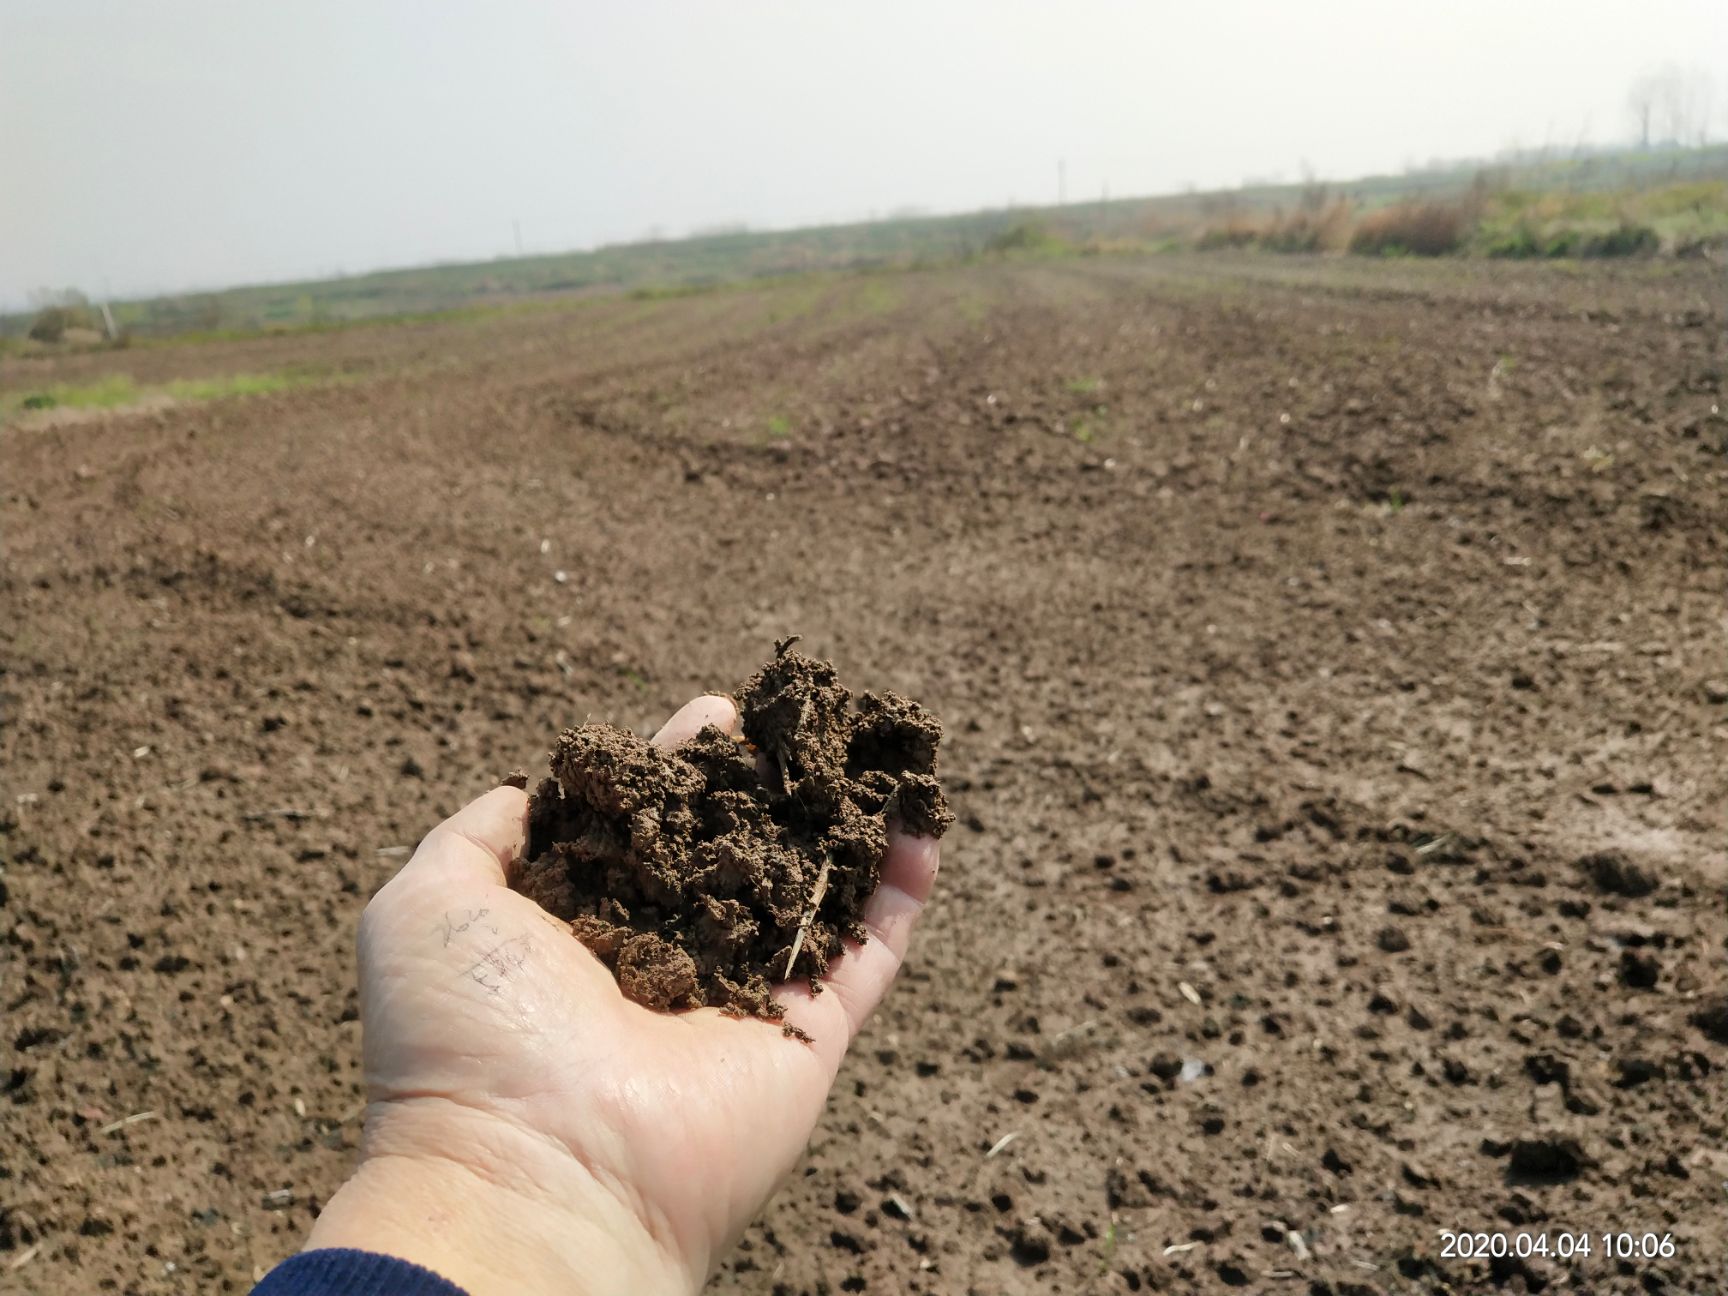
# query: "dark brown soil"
[[702, 875], [1340, 800]]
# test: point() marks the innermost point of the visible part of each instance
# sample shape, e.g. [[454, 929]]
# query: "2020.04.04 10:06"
[[1456, 1245]]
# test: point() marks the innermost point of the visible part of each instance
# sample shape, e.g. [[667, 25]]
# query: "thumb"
[[476, 844], [690, 719]]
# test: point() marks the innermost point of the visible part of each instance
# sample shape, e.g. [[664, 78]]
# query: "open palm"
[[504, 1066]]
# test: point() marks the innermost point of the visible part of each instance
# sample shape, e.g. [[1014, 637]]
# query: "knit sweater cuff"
[[343, 1272]]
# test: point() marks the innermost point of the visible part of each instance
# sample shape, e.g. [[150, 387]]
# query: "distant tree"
[[1671, 105], [43, 298], [1703, 97], [1641, 105], [1316, 194], [49, 325], [58, 309]]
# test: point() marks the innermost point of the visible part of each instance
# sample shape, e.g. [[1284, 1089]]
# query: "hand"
[[529, 1129]]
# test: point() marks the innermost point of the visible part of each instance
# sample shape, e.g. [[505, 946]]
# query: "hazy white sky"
[[158, 145]]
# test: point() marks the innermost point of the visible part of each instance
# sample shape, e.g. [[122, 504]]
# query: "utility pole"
[[1061, 182], [518, 227]]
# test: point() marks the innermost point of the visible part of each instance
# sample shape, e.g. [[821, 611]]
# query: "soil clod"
[[1613, 873], [1546, 1160], [702, 874]]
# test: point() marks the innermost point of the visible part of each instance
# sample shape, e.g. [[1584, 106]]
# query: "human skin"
[[530, 1130]]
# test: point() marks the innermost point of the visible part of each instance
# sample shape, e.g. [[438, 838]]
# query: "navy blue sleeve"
[[341, 1272]]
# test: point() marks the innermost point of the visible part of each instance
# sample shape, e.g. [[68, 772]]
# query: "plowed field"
[[1332, 660]]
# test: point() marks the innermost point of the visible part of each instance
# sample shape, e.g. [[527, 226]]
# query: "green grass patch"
[[116, 391], [1493, 217], [878, 297], [245, 384], [673, 291], [1107, 1251], [318, 324], [104, 393], [796, 298], [974, 310], [1616, 223], [1028, 238]]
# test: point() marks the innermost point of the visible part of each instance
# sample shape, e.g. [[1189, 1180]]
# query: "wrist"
[[492, 1208]]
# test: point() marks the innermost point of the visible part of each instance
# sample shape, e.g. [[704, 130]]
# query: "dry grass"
[[1235, 232], [1324, 227], [1419, 229]]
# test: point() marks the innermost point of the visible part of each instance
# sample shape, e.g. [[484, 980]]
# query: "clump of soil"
[[704, 874]]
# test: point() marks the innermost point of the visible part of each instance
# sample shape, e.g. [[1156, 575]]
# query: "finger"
[[911, 864], [476, 843], [689, 720], [860, 977]]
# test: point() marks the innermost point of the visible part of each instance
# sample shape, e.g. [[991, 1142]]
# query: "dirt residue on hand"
[[703, 874]]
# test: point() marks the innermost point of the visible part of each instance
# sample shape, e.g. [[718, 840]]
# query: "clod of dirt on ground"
[[703, 874]]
